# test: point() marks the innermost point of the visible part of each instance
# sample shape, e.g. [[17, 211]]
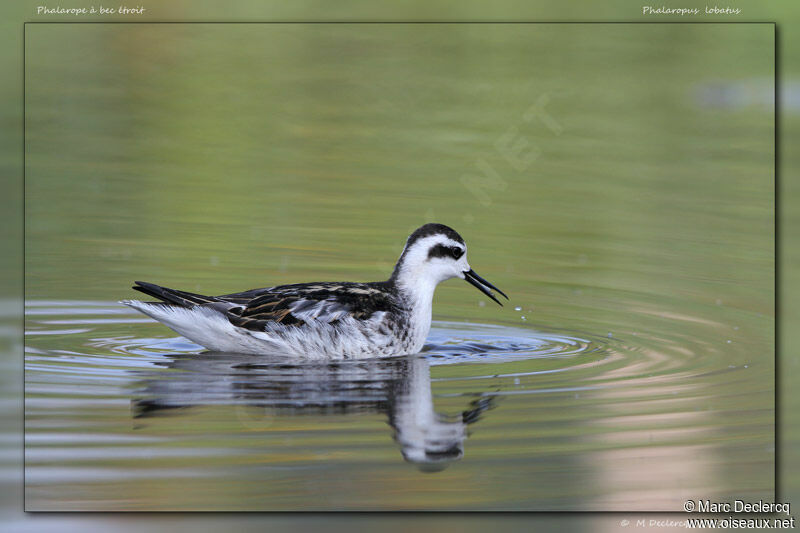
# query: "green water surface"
[[616, 180]]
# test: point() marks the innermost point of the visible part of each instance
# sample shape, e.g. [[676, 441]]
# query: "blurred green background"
[[225, 157], [198, 173], [616, 180]]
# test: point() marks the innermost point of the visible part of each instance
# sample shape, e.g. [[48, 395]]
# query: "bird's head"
[[434, 253]]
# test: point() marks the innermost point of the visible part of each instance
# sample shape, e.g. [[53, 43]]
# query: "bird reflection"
[[400, 387]]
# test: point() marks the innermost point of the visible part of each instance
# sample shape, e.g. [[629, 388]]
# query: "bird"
[[325, 320]]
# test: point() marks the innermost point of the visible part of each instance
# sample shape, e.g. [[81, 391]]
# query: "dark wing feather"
[[287, 304], [300, 303], [172, 296]]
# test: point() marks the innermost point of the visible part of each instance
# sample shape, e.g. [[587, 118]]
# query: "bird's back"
[[327, 319]]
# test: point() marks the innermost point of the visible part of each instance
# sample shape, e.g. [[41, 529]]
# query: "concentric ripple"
[[458, 342], [97, 337], [104, 333], [112, 395]]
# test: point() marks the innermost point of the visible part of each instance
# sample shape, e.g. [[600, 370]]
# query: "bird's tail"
[[173, 296]]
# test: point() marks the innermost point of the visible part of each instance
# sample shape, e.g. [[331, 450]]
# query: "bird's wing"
[[303, 303]]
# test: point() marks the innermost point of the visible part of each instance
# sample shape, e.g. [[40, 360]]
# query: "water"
[[123, 408], [632, 369]]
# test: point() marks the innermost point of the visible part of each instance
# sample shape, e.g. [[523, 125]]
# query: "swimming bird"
[[325, 320]]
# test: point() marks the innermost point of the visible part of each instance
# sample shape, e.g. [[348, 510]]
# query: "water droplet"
[[517, 309], [523, 317], [745, 366], [728, 341]]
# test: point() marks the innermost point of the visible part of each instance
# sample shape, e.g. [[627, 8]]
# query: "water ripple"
[[539, 394]]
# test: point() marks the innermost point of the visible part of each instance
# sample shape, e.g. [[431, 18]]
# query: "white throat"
[[417, 294], [417, 274]]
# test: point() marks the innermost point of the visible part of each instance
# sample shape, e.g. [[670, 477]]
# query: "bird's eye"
[[442, 250]]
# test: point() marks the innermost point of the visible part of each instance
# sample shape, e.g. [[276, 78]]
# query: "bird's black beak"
[[481, 284]]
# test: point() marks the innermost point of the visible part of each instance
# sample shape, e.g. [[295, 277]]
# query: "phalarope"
[[336, 320]]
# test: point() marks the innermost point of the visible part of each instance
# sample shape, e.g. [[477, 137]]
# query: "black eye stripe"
[[441, 250]]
